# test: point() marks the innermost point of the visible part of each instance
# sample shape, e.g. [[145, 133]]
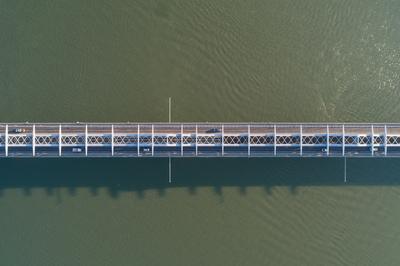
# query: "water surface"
[[219, 61]]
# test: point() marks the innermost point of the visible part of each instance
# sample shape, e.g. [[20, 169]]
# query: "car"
[[213, 130], [19, 130], [76, 150]]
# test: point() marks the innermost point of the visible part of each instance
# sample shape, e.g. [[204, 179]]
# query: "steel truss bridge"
[[199, 140]]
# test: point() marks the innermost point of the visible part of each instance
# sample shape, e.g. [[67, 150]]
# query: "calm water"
[[219, 61]]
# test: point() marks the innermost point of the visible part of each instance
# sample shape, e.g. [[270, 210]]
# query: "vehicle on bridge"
[[18, 130], [213, 130], [76, 150]]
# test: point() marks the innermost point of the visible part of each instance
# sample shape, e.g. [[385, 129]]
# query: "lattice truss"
[[262, 140], [73, 140], [125, 140], [19, 140], [393, 140], [314, 140], [167, 140], [311, 140], [287, 140], [235, 140], [228, 140], [158, 140], [356, 140], [99, 140], [189, 140], [146, 139], [209, 140], [46, 140]]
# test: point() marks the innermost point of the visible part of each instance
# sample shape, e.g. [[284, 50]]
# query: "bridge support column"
[[248, 141], [222, 141], [182, 140], [33, 140], [86, 140], [372, 140], [327, 140], [196, 139], [6, 141], [59, 141], [138, 140], [112, 140], [275, 140], [385, 140], [301, 140], [344, 141], [152, 140]]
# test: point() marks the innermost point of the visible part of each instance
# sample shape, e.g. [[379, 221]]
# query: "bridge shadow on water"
[[138, 175]]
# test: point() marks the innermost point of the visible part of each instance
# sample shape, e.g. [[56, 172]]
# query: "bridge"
[[199, 140]]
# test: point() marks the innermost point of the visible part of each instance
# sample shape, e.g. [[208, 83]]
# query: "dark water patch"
[[115, 175], [139, 175], [379, 171]]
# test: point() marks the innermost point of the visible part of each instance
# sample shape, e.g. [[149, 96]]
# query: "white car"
[[19, 130]]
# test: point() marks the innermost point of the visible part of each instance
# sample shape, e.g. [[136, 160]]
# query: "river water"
[[221, 60]]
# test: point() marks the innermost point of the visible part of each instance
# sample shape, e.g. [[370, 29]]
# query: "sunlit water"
[[219, 61]]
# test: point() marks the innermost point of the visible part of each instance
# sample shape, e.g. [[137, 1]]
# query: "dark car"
[[213, 130]]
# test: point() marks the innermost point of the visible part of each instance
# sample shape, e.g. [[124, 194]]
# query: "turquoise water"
[[219, 61]]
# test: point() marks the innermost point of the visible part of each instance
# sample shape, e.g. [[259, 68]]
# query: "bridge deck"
[[201, 139]]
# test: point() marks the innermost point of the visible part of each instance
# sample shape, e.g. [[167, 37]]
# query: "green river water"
[[275, 60]]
